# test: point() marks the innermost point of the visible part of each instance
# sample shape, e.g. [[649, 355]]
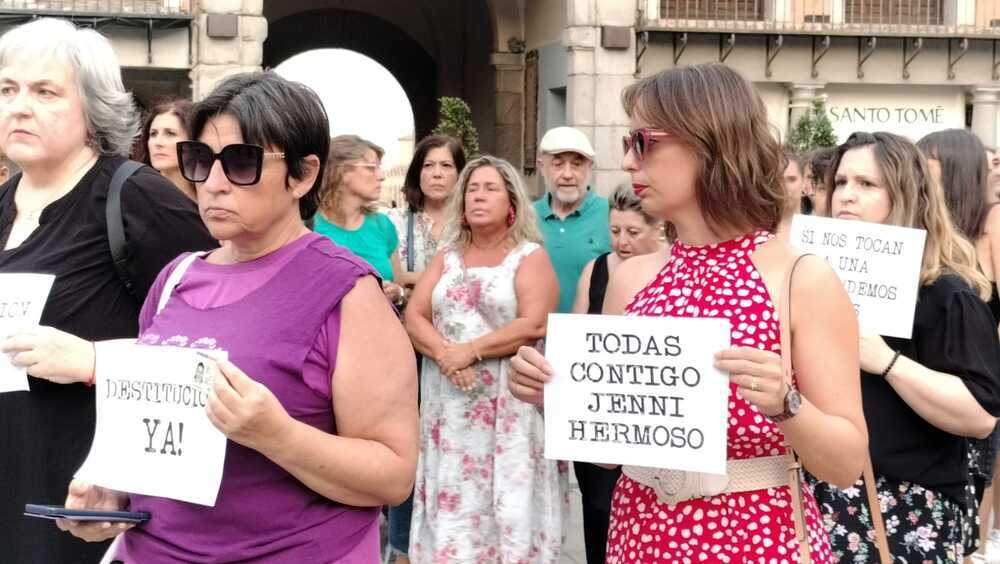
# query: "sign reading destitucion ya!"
[[637, 390], [153, 436], [879, 266]]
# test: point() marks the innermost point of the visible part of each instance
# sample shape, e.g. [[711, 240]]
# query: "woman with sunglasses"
[[348, 203], [162, 128], [68, 123], [318, 399], [700, 142], [923, 396]]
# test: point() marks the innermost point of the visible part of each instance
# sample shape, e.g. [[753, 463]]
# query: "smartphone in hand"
[[56, 512]]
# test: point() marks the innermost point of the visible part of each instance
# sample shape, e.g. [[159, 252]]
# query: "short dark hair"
[[169, 105], [273, 112], [965, 176], [411, 185]]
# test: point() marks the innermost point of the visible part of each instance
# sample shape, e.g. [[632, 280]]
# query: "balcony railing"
[[951, 18], [100, 7]]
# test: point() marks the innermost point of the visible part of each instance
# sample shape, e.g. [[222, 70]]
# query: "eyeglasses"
[[642, 140], [241, 162], [375, 167]]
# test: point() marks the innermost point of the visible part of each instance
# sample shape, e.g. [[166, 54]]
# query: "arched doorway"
[[374, 37]]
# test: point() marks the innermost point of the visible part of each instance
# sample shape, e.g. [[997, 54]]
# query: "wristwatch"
[[793, 402]]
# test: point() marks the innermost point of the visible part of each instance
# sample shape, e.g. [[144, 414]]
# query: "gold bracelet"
[[475, 350]]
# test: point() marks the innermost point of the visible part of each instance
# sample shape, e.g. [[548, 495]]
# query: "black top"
[[954, 333], [45, 434], [598, 284]]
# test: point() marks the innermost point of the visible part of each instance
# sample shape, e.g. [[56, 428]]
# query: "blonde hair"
[[525, 227], [917, 201], [345, 150]]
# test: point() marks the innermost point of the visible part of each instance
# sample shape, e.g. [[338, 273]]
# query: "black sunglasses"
[[241, 162]]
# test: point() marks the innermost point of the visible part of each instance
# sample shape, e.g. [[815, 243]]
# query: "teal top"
[[574, 241], [375, 241]]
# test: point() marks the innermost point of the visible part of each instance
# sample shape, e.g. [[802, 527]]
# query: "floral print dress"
[[484, 491], [922, 526]]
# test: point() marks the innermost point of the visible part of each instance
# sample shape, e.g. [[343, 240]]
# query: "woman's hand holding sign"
[[758, 375], [88, 496], [246, 411], [51, 354], [529, 374]]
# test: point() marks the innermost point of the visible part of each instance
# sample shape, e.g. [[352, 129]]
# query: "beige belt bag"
[[675, 486]]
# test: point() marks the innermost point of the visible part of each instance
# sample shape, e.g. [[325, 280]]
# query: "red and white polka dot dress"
[[747, 527]]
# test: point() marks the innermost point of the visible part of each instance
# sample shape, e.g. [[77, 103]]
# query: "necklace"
[[490, 246]]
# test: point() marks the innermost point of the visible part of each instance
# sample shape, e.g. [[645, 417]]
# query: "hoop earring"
[[511, 216]]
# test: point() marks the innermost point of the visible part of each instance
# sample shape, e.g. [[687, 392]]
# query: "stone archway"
[[374, 37]]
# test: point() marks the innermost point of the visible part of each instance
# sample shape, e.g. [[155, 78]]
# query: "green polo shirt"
[[574, 241]]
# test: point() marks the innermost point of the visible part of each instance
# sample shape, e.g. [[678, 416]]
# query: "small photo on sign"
[[637, 390], [879, 266]]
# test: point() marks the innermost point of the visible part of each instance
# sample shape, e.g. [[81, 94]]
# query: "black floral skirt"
[[922, 526]]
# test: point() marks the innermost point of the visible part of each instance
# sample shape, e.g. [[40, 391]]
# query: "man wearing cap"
[[573, 219]]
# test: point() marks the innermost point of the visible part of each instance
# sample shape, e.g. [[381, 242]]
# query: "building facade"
[[907, 66]]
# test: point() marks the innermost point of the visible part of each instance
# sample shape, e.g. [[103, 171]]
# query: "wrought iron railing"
[[837, 17], [99, 7]]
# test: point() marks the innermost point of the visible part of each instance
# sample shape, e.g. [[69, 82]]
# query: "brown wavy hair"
[[411, 185], [344, 150], [177, 106], [720, 116], [917, 202]]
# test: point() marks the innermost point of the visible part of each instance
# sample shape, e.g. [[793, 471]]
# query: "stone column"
[[984, 113], [596, 77], [800, 99], [509, 87], [218, 57]]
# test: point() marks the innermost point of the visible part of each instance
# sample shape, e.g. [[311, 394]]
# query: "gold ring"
[[753, 383]]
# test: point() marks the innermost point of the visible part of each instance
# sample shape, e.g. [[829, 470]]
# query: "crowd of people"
[[396, 359]]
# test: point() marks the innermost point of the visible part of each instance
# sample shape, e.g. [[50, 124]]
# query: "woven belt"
[[675, 486]]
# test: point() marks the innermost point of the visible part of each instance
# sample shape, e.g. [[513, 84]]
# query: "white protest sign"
[[22, 299], [637, 390], [879, 266], [152, 435]]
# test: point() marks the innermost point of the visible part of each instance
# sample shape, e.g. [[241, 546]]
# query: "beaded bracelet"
[[895, 357]]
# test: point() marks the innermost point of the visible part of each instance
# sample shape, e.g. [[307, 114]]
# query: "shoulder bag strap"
[[175, 278], [116, 225], [875, 509], [794, 476], [784, 318], [410, 220]]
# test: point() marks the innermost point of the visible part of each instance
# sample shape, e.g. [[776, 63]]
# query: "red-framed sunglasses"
[[642, 140]]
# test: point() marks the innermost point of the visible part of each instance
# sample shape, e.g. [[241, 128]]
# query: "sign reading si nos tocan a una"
[[879, 266]]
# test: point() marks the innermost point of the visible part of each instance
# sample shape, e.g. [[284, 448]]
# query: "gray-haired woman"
[[67, 122]]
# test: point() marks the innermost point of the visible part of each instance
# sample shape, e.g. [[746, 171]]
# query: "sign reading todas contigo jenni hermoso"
[[153, 436], [22, 299], [637, 390], [879, 266]]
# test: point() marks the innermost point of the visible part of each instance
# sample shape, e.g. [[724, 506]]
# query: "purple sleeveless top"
[[272, 332]]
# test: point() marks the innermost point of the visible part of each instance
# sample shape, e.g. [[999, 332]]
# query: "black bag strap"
[[116, 224], [409, 240]]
